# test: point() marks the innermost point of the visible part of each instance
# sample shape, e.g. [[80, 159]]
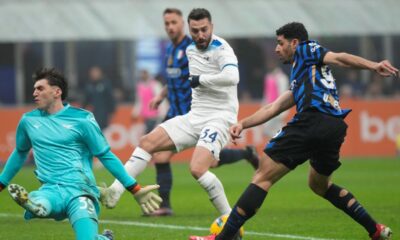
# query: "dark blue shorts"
[[309, 135]]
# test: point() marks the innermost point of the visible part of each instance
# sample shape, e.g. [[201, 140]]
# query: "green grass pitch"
[[291, 210]]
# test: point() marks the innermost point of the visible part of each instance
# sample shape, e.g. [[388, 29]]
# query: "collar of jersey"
[[66, 106]]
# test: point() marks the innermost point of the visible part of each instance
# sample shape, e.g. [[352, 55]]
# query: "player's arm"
[[157, 100], [384, 68], [264, 114], [229, 72], [17, 157], [229, 76], [98, 146], [148, 201], [115, 167], [12, 167]]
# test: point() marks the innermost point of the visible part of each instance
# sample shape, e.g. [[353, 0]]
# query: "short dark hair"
[[293, 30], [198, 14], [173, 10], [54, 78]]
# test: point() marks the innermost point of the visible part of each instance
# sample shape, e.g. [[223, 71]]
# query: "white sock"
[[215, 191], [134, 166]]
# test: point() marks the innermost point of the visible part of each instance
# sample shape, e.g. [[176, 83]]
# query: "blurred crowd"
[[107, 73]]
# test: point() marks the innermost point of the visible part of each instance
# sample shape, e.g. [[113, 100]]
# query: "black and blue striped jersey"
[[312, 83], [177, 74]]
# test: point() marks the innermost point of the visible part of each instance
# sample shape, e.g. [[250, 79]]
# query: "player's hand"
[[155, 102], [2, 186], [148, 201], [235, 130], [386, 69], [194, 81]]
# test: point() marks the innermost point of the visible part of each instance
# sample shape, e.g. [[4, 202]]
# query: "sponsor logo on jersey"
[[173, 72], [67, 126]]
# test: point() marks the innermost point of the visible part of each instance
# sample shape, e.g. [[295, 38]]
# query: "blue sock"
[[355, 211], [164, 179], [227, 156], [250, 201]]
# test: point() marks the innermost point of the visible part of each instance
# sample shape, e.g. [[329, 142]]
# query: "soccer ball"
[[218, 224]]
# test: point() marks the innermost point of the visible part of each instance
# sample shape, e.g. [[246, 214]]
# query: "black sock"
[[227, 156], [250, 201], [164, 179], [355, 211]]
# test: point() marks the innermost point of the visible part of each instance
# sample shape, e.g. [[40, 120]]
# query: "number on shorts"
[[206, 135], [87, 204]]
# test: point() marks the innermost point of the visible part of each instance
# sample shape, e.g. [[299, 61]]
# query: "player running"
[[316, 132]]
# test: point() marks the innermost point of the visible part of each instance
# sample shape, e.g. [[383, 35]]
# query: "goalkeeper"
[[64, 140]]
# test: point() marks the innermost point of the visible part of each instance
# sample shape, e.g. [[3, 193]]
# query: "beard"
[[202, 45]]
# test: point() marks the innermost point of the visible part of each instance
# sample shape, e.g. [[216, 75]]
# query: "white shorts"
[[187, 131]]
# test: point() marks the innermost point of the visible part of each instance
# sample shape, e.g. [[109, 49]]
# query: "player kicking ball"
[[315, 133]]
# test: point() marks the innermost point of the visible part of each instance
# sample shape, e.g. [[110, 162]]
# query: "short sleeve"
[[22, 140], [93, 137], [312, 53]]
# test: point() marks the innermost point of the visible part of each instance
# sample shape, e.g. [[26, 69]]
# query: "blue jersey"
[[177, 74], [64, 144], [312, 83]]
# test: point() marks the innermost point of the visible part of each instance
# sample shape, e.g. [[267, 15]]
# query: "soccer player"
[[64, 140], [214, 107], [178, 92], [316, 132]]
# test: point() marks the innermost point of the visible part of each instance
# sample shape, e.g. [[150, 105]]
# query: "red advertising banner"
[[373, 128]]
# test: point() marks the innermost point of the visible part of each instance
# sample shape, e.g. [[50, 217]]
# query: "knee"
[[197, 172], [146, 144]]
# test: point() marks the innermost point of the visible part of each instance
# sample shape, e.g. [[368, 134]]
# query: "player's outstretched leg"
[[20, 196], [87, 228], [345, 201], [252, 156], [228, 156]]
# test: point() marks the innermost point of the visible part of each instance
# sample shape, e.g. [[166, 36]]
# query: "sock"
[[164, 179], [134, 166], [250, 201], [227, 156], [215, 191], [355, 211], [86, 228]]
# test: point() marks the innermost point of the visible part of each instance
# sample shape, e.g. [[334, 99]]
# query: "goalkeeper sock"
[[134, 166], [345, 201], [87, 228], [247, 205], [164, 179], [215, 191], [228, 156]]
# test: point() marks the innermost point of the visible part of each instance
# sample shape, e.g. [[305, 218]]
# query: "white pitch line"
[[192, 228]]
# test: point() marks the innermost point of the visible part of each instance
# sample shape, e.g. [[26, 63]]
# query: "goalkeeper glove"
[[194, 81], [148, 201]]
